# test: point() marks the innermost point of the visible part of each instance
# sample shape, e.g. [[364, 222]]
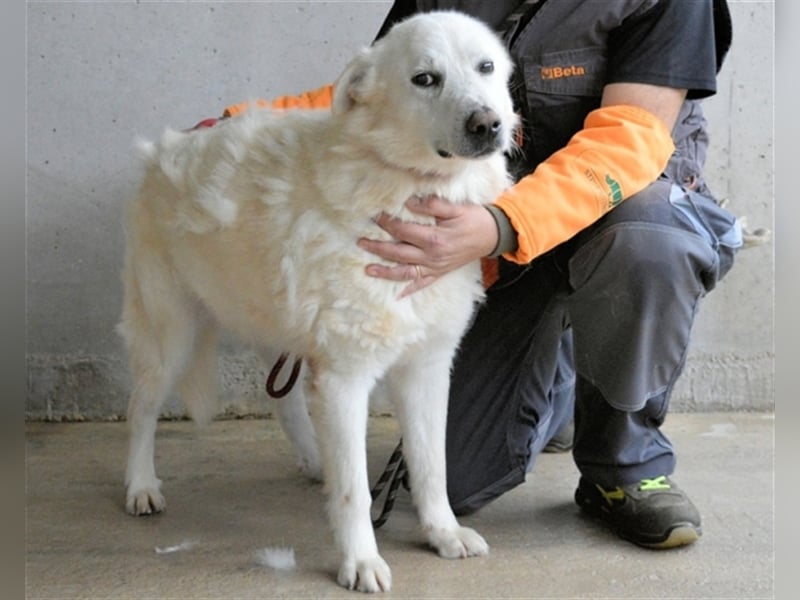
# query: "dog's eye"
[[486, 67], [425, 79]]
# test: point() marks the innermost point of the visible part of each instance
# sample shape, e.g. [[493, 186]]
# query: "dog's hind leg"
[[420, 390], [340, 406], [198, 385], [292, 411], [158, 326]]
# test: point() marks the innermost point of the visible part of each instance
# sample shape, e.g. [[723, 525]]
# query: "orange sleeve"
[[319, 98], [620, 151]]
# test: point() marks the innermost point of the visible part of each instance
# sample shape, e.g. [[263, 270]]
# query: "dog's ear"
[[356, 84]]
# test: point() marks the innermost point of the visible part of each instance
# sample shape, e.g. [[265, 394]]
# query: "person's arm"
[[624, 145]]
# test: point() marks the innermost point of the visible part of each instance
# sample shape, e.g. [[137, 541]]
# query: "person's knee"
[[650, 205], [641, 253], [665, 225]]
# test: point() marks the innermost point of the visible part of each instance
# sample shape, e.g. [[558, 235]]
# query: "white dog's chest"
[[308, 292]]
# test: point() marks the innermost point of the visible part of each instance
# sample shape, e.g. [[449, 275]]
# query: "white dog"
[[252, 225]]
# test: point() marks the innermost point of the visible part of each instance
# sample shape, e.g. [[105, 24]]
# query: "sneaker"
[[654, 513], [563, 440]]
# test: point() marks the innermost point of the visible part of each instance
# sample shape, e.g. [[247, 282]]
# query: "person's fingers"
[[392, 251], [401, 272]]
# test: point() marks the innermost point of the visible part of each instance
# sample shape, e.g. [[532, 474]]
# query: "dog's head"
[[431, 94]]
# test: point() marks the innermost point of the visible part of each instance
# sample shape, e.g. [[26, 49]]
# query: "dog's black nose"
[[484, 124]]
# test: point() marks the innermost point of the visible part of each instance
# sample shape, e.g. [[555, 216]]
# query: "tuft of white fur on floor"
[[187, 545], [280, 559]]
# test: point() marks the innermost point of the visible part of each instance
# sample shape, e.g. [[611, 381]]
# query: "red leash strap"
[[273, 375], [204, 124]]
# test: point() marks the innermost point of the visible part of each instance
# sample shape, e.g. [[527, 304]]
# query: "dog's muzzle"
[[482, 135], [484, 125]]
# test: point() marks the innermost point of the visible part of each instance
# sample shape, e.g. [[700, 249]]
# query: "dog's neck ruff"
[[414, 171]]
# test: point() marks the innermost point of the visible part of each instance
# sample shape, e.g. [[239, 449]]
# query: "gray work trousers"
[[596, 329]]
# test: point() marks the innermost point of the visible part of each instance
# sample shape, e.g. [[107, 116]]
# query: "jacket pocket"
[[561, 88], [552, 76]]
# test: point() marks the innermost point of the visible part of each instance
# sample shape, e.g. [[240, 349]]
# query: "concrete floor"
[[232, 489]]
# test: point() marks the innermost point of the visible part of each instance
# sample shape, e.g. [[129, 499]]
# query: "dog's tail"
[[145, 149]]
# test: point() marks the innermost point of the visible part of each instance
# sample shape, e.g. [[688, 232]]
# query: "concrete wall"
[[100, 74]]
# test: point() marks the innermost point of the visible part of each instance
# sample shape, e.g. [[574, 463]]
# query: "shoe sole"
[[681, 535], [556, 448]]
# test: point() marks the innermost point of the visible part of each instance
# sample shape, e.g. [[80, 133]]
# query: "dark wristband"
[[506, 236]]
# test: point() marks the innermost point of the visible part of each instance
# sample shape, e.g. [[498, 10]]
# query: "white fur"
[[187, 545], [252, 225], [280, 559]]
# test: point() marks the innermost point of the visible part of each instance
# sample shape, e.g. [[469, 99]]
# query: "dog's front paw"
[[369, 575], [310, 467], [145, 501], [460, 542]]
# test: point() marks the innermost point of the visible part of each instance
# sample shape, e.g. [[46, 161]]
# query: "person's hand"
[[423, 253]]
